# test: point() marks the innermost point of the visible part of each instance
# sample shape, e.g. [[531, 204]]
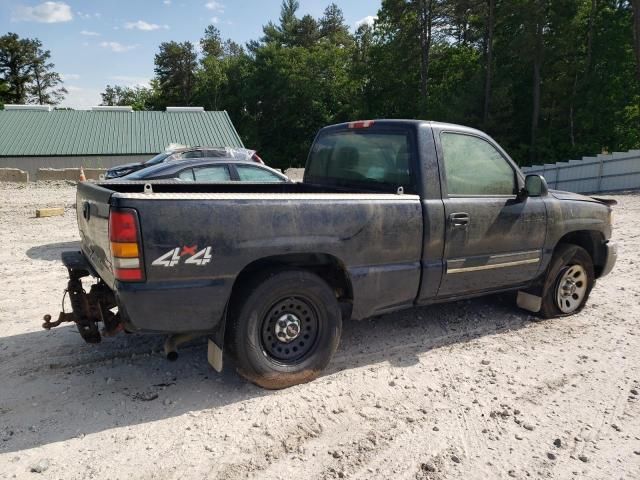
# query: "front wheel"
[[286, 330], [569, 281]]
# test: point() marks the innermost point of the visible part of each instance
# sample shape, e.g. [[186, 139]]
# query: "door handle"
[[459, 219]]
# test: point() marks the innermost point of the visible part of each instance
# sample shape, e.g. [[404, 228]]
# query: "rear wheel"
[[286, 329], [569, 281]]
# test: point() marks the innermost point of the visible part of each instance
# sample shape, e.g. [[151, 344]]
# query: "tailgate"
[[92, 211]]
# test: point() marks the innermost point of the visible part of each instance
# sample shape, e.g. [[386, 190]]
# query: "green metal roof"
[[78, 132]]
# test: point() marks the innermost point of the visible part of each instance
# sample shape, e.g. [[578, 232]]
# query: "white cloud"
[[215, 6], [87, 16], [47, 12], [89, 33], [144, 26], [69, 76], [215, 20], [167, 2], [130, 81], [117, 47], [368, 20], [81, 98]]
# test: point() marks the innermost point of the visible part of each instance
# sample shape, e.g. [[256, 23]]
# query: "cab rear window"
[[372, 160]]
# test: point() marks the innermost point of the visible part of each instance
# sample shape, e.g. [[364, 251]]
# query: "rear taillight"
[[361, 124], [124, 235]]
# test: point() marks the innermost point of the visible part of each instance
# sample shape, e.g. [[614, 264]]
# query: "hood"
[[125, 166], [562, 195], [121, 170]]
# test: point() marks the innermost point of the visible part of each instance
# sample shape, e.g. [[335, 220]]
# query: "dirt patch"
[[475, 389]]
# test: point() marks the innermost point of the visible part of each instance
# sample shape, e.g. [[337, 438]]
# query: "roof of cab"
[[363, 124]]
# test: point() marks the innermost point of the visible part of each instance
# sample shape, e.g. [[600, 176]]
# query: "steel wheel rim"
[[289, 330], [571, 288]]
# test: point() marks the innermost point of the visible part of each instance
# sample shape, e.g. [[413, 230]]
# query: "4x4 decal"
[[192, 256]]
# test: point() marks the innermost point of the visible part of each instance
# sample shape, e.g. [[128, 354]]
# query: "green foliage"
[[46, 87], [175, 66], [307, 88], [26, 73], [140, 98], [549, 80]]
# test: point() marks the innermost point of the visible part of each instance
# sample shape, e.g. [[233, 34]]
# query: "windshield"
[[376, 160], [157, 159]]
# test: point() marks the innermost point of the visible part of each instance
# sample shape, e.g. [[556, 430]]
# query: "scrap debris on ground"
[[475, 389]]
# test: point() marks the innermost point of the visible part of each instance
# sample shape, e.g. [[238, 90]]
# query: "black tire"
[[295, 297], [568, 261]]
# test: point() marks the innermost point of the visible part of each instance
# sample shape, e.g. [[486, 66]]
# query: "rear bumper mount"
[[88, 309]]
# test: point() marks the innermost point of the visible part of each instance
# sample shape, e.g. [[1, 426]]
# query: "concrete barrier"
[[13, 175], [295, 174], [72, 174]]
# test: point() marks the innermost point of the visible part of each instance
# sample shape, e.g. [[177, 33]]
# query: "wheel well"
[[326, 266], [593, 242]]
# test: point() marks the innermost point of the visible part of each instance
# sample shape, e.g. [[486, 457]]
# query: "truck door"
[[493, 239]]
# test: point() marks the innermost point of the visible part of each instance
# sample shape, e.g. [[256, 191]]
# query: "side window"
[[474, 167], [216, 173], [252, 174], [186, 175]]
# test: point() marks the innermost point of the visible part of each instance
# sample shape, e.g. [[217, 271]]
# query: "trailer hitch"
[[88, 309], [62, 318]]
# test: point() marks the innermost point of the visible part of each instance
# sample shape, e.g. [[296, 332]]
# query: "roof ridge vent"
[[112, 108], [185, 109], [37, 108]]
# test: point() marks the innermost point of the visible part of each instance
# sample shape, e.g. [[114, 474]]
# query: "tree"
[[549, 80], [307, 88], [307, 32], [537, 29], [333, 26], [488, 48], [284, 34], [46, 87], [17, 56], [425, 22], [211, 43], [212, 76], [139, 98], [4, 92], [27, 72], [175, 69], [636, 34]]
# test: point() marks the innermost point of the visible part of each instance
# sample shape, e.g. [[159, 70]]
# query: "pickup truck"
[[391, 214]]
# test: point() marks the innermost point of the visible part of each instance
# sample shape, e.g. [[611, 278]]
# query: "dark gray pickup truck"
[[391, 214]]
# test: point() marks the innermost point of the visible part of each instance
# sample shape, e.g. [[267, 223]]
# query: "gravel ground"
[[473, 389]]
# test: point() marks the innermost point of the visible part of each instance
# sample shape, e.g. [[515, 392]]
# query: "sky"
[[96, 43]]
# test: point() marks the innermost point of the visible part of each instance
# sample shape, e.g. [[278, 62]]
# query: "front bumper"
[[611, 257]]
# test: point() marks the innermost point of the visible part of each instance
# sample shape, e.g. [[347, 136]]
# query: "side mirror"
[[534, 186]]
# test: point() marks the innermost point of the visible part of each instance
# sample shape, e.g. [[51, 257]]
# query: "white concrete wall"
[[32, 164], [603, 173]]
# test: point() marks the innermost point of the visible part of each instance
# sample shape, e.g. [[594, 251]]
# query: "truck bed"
[[172, 186], [375, 237]]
